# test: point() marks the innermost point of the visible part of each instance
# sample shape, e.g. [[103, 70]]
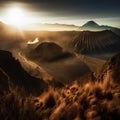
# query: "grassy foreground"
[[92, 101]]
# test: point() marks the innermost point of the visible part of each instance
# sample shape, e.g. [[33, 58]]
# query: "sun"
[[16, 16]]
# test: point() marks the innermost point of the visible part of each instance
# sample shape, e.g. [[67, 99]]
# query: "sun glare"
[[16, 17]]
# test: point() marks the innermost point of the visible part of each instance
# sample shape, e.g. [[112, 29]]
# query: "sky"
[[77, 12]]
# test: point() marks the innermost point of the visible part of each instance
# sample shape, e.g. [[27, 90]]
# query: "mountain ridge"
[[93, 26], [90, 25]]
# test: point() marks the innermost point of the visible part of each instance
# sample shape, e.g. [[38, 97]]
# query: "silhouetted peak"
[[90, 24], [17, 75]]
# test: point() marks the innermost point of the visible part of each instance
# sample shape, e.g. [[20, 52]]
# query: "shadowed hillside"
[[12, 71]]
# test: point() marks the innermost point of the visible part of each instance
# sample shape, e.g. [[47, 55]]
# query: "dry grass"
[[93, 101]]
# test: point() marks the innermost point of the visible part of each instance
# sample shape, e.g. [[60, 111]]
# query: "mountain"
[[100, 42], [48, 51], [93, 26], [111, 70], [90, 25], [11, 72]]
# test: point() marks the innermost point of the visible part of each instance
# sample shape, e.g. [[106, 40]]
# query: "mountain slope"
[[13, 73], [111, 69], [88, 42]]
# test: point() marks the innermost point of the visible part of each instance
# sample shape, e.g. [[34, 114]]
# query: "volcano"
[[88, 42], [48, 51], [90, 25]]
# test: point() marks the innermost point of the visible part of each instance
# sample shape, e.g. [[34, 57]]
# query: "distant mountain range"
[[51, 27], [89, 26], [93, 26]]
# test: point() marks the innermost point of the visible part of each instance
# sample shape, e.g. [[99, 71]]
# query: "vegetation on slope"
[[112, 67], [74, 102]]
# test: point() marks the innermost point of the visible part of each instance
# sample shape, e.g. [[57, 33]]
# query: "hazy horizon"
[[76, 12]]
